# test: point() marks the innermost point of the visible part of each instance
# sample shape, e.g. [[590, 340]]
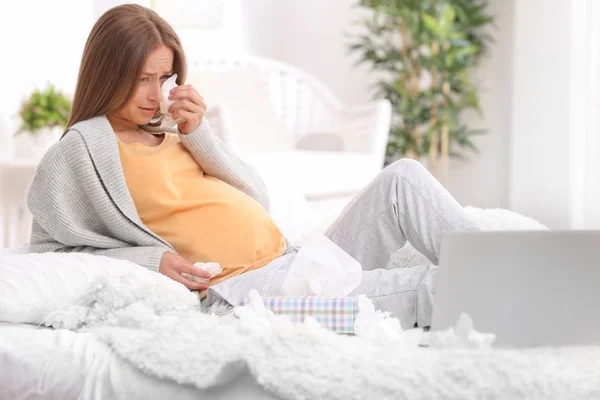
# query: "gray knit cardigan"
[[80, 201]]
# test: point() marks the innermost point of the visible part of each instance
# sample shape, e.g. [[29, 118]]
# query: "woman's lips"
[[149, 111]]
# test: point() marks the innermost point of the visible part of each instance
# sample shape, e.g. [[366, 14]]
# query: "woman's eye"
[[145, 79], [165, 77]]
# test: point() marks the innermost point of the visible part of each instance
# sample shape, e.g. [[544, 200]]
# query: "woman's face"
[[157, 69]]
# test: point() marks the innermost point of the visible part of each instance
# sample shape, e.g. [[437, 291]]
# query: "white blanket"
[[155, 324], [305, 361]]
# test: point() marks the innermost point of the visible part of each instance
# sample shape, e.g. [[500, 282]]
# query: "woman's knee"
[[405, 167]]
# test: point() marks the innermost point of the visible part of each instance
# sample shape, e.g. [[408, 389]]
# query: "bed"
[[79, 326], [44, 363]]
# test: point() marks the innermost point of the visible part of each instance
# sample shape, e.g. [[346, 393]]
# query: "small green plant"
[[424, 51], [44, 109]]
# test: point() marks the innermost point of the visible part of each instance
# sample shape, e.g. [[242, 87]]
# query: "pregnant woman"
[[165, 197]]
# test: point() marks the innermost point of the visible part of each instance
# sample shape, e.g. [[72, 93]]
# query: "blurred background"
[[497, 98]]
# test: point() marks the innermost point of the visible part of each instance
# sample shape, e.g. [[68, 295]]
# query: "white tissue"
[[212, 268], [256, 318], [463, 335], [166, 87], [165, 103], [371, 323], [322, 268]]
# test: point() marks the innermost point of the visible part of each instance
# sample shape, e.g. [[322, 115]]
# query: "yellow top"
[[203, 218]]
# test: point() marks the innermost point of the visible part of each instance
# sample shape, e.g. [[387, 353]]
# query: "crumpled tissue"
[[167, 119], [462, 335], [383, 328], [373, 323], [322, 268], [212, 268]]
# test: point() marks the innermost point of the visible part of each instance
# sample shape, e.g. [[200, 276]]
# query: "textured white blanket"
[[171, 339], [154, 323]]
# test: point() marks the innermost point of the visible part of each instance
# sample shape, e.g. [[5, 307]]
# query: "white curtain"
[[585, 109], [555, 144]]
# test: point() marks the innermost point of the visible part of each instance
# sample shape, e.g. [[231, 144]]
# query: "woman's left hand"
[[189, 106]]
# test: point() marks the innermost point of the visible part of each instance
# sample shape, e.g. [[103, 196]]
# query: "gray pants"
[[403, 203]]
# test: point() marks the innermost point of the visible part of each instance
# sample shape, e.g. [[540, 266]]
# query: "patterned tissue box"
[[334, 313]]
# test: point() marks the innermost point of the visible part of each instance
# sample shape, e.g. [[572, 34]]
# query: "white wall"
[[100, 6], [262, 27], [484, 181], [311, 35], [40, 43], [218, 40]]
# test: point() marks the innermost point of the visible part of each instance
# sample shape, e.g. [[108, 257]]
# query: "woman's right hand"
[[172, 265]]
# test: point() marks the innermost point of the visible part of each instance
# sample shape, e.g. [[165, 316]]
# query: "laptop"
[[530, 288]]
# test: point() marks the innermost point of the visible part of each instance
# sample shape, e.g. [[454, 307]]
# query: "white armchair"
[[292, 128]]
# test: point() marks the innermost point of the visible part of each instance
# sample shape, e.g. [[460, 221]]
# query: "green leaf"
[[460, 42], [467, 51], [391, 11], [446, 20], [450, 58], [431, 23]]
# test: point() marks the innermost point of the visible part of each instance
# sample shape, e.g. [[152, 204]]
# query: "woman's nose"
[[155, 93]]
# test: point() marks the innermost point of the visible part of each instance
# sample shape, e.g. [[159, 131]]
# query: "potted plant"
[[43, 118], [423, 52]]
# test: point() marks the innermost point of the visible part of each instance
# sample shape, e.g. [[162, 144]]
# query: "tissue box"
[[334, 313]]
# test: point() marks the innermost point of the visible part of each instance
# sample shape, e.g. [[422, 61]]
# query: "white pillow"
[[288, 206], [32, 286], [244, 94], [320, 174]]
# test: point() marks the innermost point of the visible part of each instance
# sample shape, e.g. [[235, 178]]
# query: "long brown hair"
[[114, 56]]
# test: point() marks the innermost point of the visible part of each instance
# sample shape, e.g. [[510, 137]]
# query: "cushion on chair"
[[289, 208], [319, 174], [320, 142]]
